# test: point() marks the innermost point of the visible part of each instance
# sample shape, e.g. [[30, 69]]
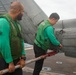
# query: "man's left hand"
[[21, 63]]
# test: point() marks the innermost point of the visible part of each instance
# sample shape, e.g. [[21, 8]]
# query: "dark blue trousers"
[[38, 64], [4, 65]]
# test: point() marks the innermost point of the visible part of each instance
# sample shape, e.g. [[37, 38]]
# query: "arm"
[[4, 42], [23, 51], [50, 33], [5, 45], [23, 57]]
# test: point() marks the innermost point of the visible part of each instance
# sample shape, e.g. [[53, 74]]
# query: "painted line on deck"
[[28, 69], [28, 48]]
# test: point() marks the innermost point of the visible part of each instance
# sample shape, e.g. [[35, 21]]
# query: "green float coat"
[[11, 45], [45, 36]]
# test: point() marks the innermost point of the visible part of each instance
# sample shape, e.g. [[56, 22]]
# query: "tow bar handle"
[[30, 61]]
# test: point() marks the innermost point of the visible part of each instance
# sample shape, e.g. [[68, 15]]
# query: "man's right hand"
[[61, 46], [11, 67]]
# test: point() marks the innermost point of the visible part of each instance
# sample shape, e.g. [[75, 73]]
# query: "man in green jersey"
[[11, 43], [44, 40]]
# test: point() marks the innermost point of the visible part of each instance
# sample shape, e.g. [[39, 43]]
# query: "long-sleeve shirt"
[[5, 41], [45, 36], [49, 33]]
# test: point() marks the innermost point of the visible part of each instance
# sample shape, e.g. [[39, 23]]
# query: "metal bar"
[[30, 61]]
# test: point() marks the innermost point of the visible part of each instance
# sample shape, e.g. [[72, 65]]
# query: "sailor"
[[45, 39], [11, 42]]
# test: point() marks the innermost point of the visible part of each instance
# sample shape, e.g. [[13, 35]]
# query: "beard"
[[19, 17]]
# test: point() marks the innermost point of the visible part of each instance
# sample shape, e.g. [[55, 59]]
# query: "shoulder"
[[3, 21], [49, 28]]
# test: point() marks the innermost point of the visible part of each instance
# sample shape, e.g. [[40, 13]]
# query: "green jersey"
[[6, 45], [45, 37]]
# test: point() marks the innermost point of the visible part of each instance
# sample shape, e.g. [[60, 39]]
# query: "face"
[[54, 21], [19, 15]]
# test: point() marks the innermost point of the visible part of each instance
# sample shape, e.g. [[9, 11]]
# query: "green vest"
[[40, 39], [15, 37]]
